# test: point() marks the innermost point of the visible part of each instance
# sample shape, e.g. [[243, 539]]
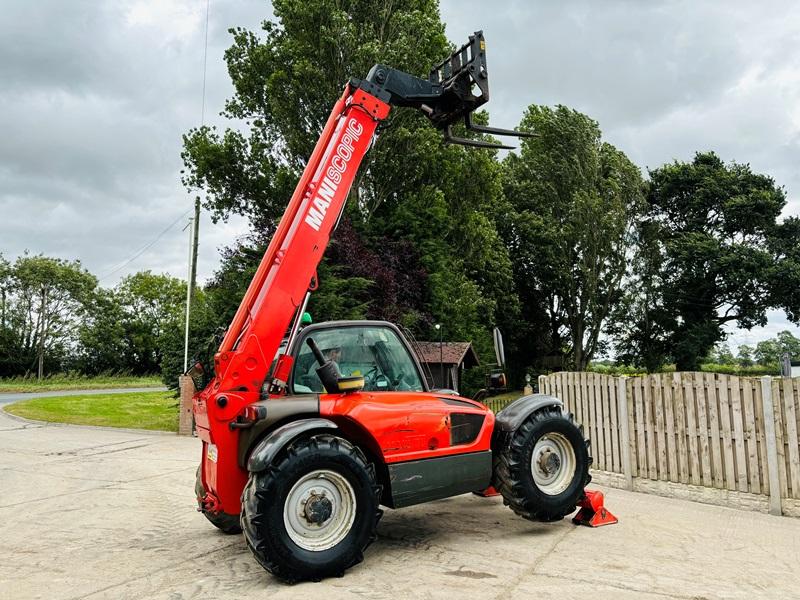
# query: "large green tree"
[[151, 304], [418, 243], [770, 352], [43, 300], [641, 323], [723, 255], [573, 200], [101, 335], [124, 327]]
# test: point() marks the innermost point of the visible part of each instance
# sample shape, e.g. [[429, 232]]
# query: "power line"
[[195, 222], [205, 62], [143, 249]]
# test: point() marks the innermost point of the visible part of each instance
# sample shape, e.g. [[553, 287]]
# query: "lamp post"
[[438, 328]]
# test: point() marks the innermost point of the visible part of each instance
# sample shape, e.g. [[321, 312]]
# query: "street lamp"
[[438, 327]]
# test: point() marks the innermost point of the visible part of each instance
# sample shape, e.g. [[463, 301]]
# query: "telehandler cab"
[[301, 451]]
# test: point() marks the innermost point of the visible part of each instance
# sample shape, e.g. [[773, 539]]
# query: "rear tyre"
[[313, 512], [223, 521], [542, 468]]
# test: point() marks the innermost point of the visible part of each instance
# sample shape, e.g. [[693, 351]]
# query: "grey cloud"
[[95, 96], [663, 79]]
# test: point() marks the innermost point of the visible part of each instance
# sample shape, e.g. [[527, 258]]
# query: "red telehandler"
[[305, 436]]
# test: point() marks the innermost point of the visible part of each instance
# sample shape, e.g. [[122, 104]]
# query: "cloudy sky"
[[94, 97]]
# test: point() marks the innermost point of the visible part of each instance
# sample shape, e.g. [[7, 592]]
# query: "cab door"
[[374, 350]]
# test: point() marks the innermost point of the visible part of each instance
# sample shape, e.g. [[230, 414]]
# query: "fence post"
[[186, 386], [772, 448], [542, 384], [625, 438]]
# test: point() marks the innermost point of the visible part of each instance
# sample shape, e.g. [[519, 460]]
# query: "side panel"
[[429, 479], [409, 426]]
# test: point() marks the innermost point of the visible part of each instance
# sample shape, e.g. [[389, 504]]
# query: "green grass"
[[753, 371], [74, 381], [137, 410], [499, 402]]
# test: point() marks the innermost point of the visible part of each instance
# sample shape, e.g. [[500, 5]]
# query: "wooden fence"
[[712, 437]]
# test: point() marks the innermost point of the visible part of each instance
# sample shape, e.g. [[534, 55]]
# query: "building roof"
[[452, 353]]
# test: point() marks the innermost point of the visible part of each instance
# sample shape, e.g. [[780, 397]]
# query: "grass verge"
[[499, 402], [72, 381], [137, 410]]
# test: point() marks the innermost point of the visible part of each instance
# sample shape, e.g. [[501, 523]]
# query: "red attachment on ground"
[[593, 513], [489, 492]]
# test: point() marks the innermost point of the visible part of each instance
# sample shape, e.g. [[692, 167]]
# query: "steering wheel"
[[372, 379], [380, 377]]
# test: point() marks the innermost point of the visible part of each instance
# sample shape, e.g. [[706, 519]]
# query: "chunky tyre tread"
[[512, 472], [223, 521], [257, 490]]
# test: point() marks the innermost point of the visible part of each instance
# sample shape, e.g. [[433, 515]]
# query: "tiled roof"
[[452, 353]]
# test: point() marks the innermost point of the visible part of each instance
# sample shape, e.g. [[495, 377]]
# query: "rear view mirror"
[[499, 350]]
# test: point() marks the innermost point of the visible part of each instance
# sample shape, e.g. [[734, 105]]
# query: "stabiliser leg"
[[593, 512]]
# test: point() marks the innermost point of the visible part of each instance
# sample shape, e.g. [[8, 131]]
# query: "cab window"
[[374, 353]]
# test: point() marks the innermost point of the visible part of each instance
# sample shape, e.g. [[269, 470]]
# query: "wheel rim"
[[319, 510], [553, 463]]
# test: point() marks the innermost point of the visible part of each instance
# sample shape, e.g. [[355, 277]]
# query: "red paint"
[[401, 425], [593, 512], [278, 288]]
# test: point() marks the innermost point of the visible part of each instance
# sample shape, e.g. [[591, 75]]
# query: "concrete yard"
[[100, 513]]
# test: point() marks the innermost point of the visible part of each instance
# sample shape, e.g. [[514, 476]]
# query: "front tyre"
[[542, 468], [313, 512]]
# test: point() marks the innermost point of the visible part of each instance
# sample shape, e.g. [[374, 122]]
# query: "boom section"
[[290, 262]]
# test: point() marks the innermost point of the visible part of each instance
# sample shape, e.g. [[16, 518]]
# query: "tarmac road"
[[102, 513], [7, 398]]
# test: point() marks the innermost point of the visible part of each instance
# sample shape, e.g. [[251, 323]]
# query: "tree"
[[44, 300], [285, 85], [204, 339], [574, 200], [9, 358], [640, 322], [722, 355], [123, 328], [744, 358], [720, 254], [101, 335], [418, 242], [788, 344], [151, 304], [784, 245], [769, 352]]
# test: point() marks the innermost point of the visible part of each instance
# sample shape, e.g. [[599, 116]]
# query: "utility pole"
[[193, 279], [192, 227]]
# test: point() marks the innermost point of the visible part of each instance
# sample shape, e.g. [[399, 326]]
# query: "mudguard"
[[513, 415], [267, 449]]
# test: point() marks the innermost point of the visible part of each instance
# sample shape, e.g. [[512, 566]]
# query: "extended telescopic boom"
[[454, 89]]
